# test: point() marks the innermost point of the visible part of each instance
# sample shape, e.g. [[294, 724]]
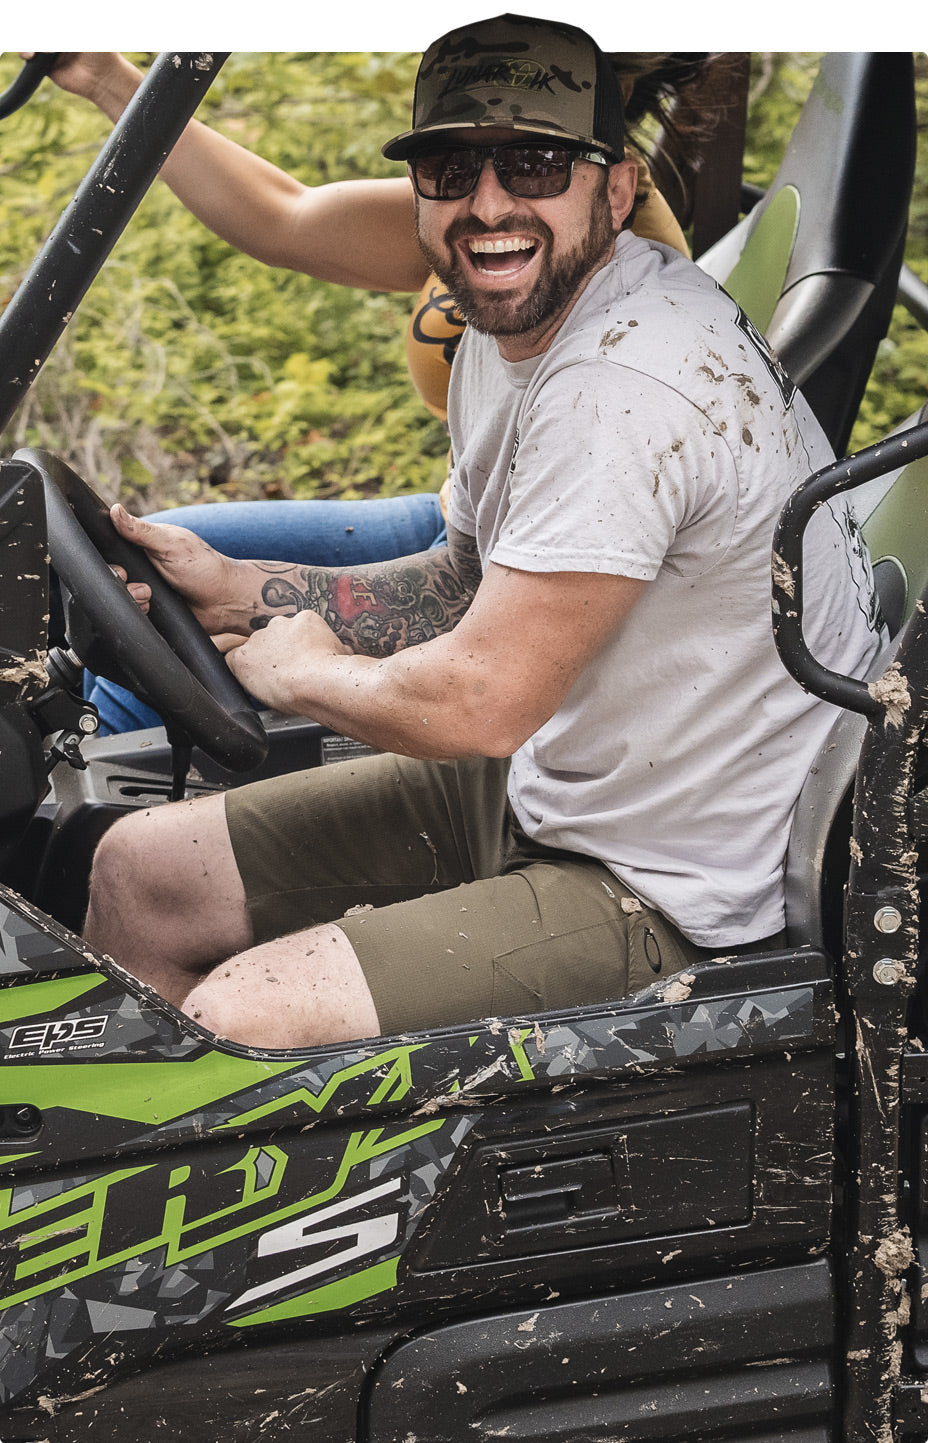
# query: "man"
[[622, 444], [358, 233]]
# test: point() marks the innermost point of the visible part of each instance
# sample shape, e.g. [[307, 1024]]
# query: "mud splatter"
[[783, 576], [679, 989], [891, 690]]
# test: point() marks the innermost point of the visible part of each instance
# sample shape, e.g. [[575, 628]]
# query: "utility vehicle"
[[697, 1213]]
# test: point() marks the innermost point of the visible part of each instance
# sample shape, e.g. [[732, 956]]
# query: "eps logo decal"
[[44, 1037]]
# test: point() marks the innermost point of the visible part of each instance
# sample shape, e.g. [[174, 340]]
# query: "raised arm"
[[358, 233]]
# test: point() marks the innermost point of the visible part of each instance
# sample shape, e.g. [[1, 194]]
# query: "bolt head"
[[887, 919]]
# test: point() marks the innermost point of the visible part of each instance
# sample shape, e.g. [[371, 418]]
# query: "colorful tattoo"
[[381, 608]]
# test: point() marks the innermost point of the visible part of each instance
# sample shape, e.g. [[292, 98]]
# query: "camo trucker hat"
[[516, 73]]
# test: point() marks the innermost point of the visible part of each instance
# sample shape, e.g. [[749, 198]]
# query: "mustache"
[[472, 228]]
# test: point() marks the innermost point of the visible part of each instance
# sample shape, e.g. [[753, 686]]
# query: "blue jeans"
[[316, 533]]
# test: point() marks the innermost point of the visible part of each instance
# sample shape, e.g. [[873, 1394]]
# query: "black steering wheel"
[[165, 657]]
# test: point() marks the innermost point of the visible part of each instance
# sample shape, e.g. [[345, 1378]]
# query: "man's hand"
[[275, 662], [211, 584]]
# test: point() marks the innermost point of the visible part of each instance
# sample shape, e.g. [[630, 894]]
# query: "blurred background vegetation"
[[192, 372]]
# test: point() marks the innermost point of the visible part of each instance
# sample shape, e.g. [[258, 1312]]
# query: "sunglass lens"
[[446, 174], [528, 171], [533, 170]]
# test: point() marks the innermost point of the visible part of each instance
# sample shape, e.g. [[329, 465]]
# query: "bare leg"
[[166, 899], [298, 991], [167, 903]]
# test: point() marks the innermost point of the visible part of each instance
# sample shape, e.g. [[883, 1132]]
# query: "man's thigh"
[[453, 916], [314, 846], [545, 936]]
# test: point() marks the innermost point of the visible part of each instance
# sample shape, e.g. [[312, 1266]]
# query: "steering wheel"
[[166, 656]]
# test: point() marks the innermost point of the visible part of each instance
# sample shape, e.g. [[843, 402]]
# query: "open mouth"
[[506, 256]]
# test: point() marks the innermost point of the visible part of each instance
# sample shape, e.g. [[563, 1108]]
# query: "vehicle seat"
[[893, 514], [814, 269]]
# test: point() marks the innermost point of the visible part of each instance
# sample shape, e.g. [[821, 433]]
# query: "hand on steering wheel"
[[165, 656]]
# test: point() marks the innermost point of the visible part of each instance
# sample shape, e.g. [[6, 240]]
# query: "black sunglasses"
[[530, 170]]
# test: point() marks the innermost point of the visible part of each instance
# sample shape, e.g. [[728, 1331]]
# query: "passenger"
[[590, 752], [206, 170]]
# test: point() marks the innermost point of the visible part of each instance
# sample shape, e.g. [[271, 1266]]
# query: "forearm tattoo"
[[381, 608]]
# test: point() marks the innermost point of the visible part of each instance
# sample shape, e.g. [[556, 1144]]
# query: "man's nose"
[[489, 199]]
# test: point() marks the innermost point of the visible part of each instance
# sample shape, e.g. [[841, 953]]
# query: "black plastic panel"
[[291, 1390], [638, 1178], [653, 1178], [919, 1298], [732, 1357]]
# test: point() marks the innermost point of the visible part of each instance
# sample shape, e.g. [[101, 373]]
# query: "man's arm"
[[380, 608], [375, 609], [358, 233], [480, 689], [422, 656]]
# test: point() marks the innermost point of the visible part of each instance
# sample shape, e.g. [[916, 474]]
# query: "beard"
[[558, 280]]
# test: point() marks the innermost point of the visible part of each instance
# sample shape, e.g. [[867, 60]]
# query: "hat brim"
[[401, 147]]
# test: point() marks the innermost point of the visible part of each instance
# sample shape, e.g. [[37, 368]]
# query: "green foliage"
[[194, 372]]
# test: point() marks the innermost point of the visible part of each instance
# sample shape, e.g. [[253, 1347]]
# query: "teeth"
[[498, 247]]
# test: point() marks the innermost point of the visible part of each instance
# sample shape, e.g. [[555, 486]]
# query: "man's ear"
[[623, 182]]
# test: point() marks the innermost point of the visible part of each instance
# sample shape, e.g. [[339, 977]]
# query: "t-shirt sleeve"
[[460, 512], [616, 472]]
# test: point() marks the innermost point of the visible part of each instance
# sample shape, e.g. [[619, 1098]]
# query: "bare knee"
[[304, 990], [164, 886], [122, 862]]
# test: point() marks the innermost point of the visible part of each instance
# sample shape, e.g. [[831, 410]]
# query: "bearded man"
[[587, 751]]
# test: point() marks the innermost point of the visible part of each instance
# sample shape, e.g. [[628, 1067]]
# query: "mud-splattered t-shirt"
[[658, 439]]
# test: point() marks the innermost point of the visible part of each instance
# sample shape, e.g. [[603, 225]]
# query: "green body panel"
[[898, 527], [757, 280]]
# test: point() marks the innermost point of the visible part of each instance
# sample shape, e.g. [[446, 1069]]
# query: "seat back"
[[813, 267]]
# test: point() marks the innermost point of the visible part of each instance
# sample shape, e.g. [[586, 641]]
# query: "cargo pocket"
[[573, 969], [591, 941]]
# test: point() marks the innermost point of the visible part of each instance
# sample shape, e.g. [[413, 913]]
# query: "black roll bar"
[[27, 82], [844, 475], [880, 969], [93, 221]]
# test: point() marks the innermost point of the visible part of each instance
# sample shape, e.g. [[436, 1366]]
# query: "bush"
[[193, 372]]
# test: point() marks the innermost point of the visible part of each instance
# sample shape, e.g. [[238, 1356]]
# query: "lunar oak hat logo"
[[514, 74]]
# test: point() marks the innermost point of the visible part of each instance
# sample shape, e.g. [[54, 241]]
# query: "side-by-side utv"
[[697, 1213]]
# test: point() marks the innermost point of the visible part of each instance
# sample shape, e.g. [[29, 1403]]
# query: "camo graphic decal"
[[30, 941], [286, 1235], [153, 1081], [176, 1191]]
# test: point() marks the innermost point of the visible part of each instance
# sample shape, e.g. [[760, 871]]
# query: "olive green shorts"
[[454, 913]]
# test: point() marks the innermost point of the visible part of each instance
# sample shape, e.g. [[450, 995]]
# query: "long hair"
[[658, 78]]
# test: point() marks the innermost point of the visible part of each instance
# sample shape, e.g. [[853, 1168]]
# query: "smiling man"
[[589, 752]]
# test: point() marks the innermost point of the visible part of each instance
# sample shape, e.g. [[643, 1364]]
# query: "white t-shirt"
[[658, 439]]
